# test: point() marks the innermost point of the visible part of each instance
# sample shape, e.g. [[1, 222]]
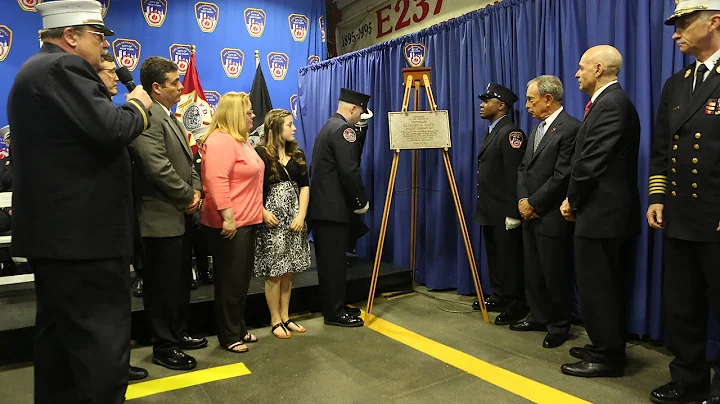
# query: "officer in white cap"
[[684, 202], [72, 205]]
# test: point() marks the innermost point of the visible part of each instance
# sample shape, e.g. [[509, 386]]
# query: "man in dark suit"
[[603, 200], [169, 190], [497, 207], [336, 193], [543, 177], [110, 80], [684, 198], [72, 206], [7, 266]]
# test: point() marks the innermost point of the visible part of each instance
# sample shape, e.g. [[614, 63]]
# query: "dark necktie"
[[700, 76], [539, 133], [587, 108]]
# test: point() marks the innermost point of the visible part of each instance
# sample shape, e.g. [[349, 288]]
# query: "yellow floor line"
[[514, 383], [185, 380]]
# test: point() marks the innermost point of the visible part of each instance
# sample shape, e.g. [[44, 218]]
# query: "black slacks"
[[505, 262], [167, 275], [691, 281], [82, 331], [601, 265], [233, 262], [549, 279], [330, 240]]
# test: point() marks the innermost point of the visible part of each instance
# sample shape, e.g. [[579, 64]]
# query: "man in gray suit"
[[170, 191]]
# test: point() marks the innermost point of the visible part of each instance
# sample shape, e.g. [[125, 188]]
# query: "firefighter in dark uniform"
[[72, 206], [497, 209], [336, 194], [684, 201]]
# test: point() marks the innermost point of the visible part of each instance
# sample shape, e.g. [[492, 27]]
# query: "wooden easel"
[[416, 77]]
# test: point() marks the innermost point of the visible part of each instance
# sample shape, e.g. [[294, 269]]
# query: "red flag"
[[193, 110]]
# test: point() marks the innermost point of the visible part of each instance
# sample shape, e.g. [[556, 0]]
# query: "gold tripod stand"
[[416, 77]]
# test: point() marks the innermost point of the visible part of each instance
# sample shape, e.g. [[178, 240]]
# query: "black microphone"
[[125, 77]]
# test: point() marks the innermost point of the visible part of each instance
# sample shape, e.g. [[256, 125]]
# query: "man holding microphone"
[[72, 217]]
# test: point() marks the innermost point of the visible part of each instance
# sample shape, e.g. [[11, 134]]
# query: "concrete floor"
[[337, 365]]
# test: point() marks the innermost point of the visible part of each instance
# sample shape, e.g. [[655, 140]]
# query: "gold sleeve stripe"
[[656, 177], [663, 189], [658, 181], [657, 193], [142, 112]]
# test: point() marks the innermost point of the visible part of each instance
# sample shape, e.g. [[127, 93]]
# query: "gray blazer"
[[166, 178]]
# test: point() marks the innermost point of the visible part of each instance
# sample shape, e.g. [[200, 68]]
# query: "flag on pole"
[[193, 110], [260, 99]]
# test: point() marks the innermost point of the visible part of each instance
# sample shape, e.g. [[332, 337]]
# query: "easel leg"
[[466, 236], [383, 231]]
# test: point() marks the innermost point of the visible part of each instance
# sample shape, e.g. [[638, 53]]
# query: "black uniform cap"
[[503, 94], [355, 98]]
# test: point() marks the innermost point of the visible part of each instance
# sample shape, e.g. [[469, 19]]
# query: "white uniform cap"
[[69, 13], [686, 7]]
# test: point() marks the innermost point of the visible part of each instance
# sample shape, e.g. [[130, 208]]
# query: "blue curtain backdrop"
[[509, 43], [180, 26]]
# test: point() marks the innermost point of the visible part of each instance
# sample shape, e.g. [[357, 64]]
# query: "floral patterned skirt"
[[279, 250]]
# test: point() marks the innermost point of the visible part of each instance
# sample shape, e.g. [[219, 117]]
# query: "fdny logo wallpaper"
[[180, 54], [154, 11], [212, 97], [29, 5], [127, 52], [299, 25], [294, 105], [414, 54], [232, 61], [314, 59], [105, 4], [207, 15], [255, 20], [278, 63], [321, 20], [5, 41]]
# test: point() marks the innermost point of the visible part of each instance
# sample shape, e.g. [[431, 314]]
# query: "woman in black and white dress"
[[282, 246]]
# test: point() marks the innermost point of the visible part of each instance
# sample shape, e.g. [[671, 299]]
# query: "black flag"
[[260, 98]]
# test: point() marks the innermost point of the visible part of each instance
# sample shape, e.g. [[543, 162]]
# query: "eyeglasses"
[[110, 72], [100, 34]]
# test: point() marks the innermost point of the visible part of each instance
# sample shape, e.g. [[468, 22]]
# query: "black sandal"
[[280, 325], [287, 326], [233, 347], [249, 338]]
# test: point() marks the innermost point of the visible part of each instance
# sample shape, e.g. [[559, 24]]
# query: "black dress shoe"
[[188, 342], [592, 369], [578, 352], [193, 285], [175, 360], [137, 287], [528, 326], [679, 392], [554, 340], [346, 320], [137, 373], [353, 311], [509, 317], [711, 400]]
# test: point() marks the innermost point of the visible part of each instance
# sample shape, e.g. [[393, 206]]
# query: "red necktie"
[[587, 108]]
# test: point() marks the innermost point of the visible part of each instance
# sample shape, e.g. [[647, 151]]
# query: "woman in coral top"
[[232, 177]]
